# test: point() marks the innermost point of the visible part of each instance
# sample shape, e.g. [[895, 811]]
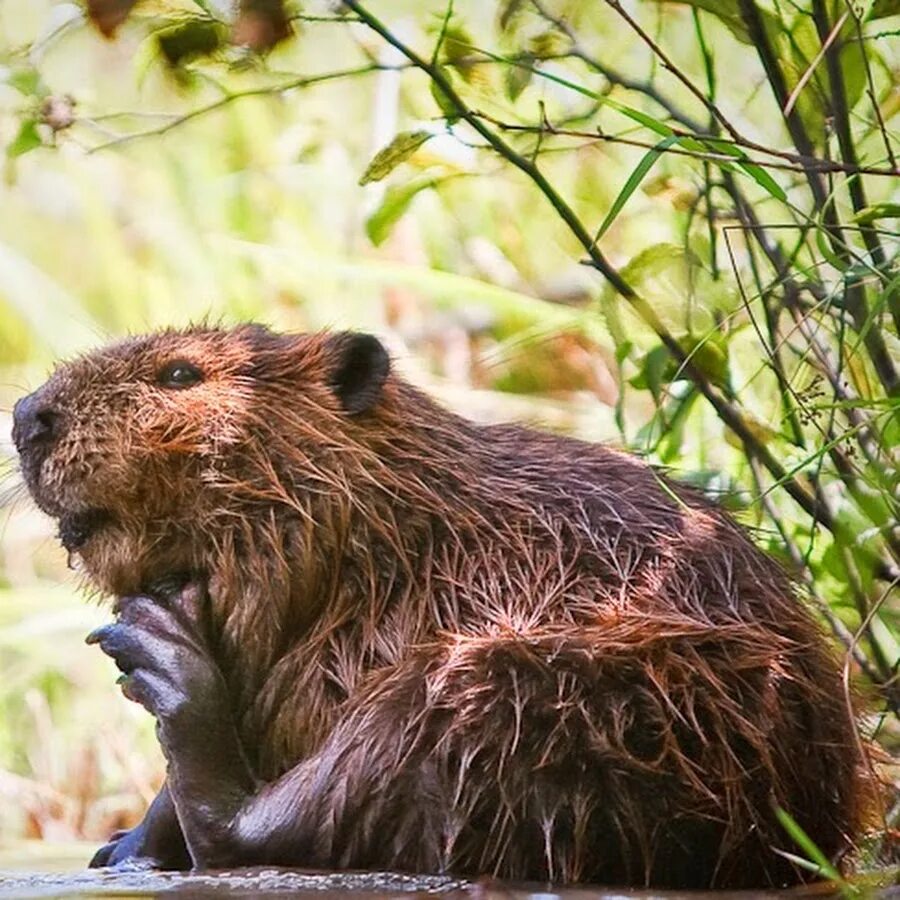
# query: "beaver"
[[375, 634]]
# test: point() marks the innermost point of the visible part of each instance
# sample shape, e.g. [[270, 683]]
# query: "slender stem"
[[231, 97]]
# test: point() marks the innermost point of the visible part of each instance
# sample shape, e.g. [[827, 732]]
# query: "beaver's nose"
[[35, 421]]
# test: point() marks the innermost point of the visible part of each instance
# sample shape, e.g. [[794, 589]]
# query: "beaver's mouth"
[[77, 528]]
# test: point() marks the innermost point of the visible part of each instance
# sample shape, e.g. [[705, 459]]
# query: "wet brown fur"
[[537, 661]]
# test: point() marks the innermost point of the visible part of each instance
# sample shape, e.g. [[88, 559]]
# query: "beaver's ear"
[[360, 366]]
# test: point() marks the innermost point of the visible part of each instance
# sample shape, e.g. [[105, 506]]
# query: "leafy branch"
[[811, 501]]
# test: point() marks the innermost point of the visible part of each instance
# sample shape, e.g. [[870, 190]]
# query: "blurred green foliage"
[[177, 172]]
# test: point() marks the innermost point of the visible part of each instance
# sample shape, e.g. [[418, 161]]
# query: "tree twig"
[[798, 164], [232, 96]]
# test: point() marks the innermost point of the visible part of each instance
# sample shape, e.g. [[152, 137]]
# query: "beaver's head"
[[143, 448]]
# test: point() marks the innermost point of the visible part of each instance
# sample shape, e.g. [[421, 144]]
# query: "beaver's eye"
[[179, 374]]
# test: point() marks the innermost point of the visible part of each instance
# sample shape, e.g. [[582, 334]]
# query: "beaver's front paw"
[[159, 645], [156, 843], [126, 850]]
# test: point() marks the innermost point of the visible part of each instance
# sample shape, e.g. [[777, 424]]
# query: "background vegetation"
[[672, 226]]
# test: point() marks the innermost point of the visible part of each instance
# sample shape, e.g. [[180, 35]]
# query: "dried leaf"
[[509, 10], [194, 38], [108, 15], [261, 24]]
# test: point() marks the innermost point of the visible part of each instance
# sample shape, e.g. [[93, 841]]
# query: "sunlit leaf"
[[799, 49], [27, 138], [546, 44], [760, 431], [507, 13], [27, 81], [642, 118], [755, 171], [395, 203], [764, 180], [708, 356], [397, 151]]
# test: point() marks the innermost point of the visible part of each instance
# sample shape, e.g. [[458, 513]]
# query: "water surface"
[[32, 871]]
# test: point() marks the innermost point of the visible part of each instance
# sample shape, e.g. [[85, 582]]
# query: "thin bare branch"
[[231, 97]]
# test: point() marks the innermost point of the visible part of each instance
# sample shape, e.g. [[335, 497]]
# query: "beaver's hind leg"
[[637, 751]]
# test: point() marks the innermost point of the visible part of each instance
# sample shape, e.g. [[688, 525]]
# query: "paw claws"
[[97, 635]]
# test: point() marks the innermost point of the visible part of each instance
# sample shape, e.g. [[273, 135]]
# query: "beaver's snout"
[[36, 427], [35, 422]]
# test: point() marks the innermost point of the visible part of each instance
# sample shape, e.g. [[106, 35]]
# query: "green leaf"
[[397, 151], [27, 138], [640, 117], [655, 367], [27, 81], [808, 846], [547, 44], [517, 78], [508, 12], [397, 199], [877, 211], [208, 8], [764, 180], [824, 246], [708, 355], [445, 104], [755, 171], [798, 47], [631, 185], [456, 50]]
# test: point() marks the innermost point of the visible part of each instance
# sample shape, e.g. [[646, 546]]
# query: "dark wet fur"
[[484, 649]]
